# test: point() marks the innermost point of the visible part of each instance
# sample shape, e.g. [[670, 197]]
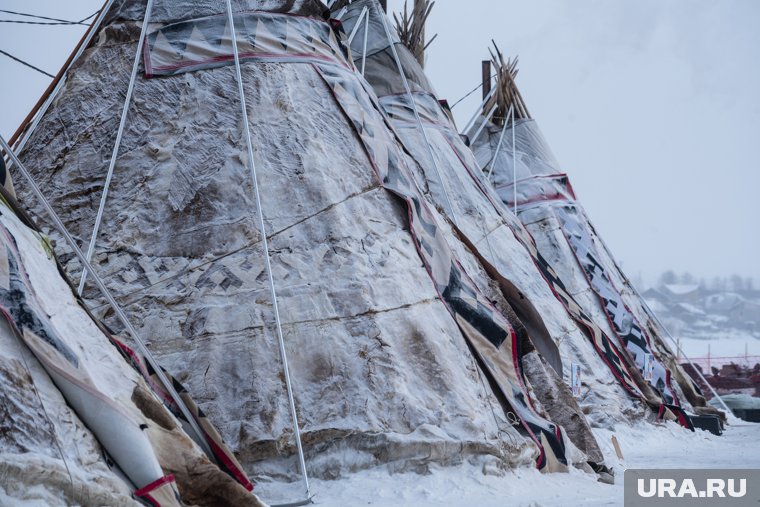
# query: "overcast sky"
[[652, 107]]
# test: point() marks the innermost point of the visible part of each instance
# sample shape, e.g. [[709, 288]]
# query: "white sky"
[[651, 107]]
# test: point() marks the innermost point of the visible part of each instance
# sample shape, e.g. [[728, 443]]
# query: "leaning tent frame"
[[363, 17], [26, 130], [410, 28], [477, 113], [505, 85]]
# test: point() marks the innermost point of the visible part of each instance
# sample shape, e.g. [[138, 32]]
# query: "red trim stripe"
[[166, 479]]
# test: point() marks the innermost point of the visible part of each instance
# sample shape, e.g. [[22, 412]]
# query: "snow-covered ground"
[[643, 446]]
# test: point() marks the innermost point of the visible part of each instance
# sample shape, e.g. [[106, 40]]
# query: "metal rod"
[[408, 89], [341, 13], [357, 25], [480, 108], [117, 144], [693, 366], [498, 145], [265, 244], [364, 46], [485, 122], [298, 503], [514, 160], [109, 297]]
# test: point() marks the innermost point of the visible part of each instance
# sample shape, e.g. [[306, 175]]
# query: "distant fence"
[[709, 362]]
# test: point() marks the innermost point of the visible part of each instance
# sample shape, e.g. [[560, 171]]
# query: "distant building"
[[682, 292]]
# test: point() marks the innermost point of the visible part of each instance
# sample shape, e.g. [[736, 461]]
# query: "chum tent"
[[515, 157], [543, 308], [377, 360], [290, 225]]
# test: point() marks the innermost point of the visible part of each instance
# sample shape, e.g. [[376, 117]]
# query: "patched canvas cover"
[[543, 308], [71, 366], [484, 327], [204, 43], [378, 358], [544, 194]]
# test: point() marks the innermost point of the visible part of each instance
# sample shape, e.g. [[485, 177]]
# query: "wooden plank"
[[616, 445], [486, 76]]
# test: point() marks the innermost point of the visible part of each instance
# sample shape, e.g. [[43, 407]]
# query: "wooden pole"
[[486, 76], [618, 451], [419, 17]]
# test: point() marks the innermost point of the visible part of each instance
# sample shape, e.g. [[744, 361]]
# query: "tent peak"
[[410, 27], [507, 94]]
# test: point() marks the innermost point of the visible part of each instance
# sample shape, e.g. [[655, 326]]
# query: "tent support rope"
[[265, 244], [110, 298], [21, 347], [117, 144], [50, 94], [450, 209]]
